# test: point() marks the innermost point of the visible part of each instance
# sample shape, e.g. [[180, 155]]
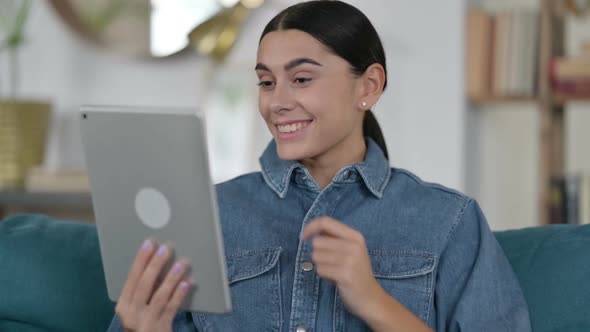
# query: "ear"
[[371, 86]]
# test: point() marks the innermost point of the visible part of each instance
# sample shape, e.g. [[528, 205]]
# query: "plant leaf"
[[21, 20], [13, 20], [7, 8]]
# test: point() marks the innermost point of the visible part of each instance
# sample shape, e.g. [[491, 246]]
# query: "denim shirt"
[[430, 248]]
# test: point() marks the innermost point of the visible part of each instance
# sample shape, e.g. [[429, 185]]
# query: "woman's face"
[[308, 96]]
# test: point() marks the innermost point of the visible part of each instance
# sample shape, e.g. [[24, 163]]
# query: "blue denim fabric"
[[430, 247]]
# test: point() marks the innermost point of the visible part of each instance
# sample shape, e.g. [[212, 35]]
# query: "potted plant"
[[23, 122]]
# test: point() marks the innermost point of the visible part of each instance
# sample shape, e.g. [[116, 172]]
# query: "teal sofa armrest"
[[51, 276], [552, 264]]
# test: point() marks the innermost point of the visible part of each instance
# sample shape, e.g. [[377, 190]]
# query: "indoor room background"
[[486, 146]]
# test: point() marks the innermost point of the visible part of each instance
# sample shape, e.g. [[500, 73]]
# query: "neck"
[[324, 167]]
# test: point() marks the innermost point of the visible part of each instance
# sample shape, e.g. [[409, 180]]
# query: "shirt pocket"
[[254, 280], [408, 276]]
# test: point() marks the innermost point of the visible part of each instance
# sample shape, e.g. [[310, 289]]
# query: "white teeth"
[[292, 127]]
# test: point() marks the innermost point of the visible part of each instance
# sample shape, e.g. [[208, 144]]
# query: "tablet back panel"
[[149, 177]]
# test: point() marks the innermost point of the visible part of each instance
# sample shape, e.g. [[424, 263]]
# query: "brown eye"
[[302, 80], [266, 84]]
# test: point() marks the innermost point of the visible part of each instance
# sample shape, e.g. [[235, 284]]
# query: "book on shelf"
[[573, 88], [569, 201], [501, 53], [570, 76], [478, 57], [570, 68], [557, 201], [61, 181]]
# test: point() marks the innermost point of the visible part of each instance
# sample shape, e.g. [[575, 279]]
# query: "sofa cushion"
[[553, 266], [51, 276]]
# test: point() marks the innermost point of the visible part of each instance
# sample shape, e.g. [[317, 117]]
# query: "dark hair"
[[347, 32]]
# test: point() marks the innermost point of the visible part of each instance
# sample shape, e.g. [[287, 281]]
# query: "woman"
[[328, 237]]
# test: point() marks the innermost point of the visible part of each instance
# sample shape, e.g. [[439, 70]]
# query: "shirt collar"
[[374, 170]]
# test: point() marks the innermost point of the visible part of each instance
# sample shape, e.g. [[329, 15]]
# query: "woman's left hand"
[[340, 255]]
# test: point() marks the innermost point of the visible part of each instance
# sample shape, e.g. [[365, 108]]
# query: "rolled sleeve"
[[477, 289]]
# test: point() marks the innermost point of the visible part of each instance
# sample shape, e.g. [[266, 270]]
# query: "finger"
[[142, 258], [337, 274], [329, 272], [326, 258], [145, 288], [329, 243], [180, 292], [329, 226], [163, 294]]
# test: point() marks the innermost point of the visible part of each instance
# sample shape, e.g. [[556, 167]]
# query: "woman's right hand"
[[145, 303]]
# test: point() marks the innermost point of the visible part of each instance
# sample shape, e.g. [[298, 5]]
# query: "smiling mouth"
[[292, 127]]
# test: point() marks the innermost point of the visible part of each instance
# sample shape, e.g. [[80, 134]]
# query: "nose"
[[281, 99]]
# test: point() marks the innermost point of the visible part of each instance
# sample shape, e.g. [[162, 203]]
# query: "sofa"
[[51, 276]]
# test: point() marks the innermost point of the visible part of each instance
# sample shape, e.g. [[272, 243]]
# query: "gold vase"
[[23, 133]]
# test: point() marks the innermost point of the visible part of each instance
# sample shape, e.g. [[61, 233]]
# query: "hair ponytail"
[[372, 129]]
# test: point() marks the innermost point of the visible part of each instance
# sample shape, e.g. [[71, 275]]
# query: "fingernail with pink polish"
[[177, 268], [162, 250], [184, 286], [147, 245]]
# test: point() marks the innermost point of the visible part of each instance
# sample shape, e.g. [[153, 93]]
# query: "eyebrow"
[[290, 65]]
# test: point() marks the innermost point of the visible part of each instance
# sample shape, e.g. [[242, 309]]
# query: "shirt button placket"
[[306, 284]]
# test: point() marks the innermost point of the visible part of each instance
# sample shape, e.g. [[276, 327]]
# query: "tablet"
[[149, 177]]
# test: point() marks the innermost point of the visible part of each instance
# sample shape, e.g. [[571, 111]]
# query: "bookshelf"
[[560, 100], [487, 100], [551, 124], [551, 131]]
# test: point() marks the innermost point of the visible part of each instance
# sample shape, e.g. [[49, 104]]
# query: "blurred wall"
[[57, 65]]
